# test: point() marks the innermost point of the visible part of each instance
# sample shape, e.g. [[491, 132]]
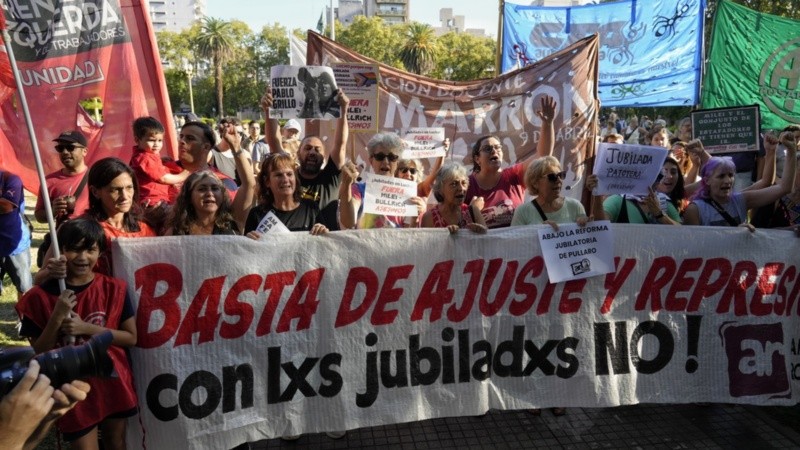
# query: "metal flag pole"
[[32, 134]]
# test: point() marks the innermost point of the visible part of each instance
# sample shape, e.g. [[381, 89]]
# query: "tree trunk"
[[218, 85]]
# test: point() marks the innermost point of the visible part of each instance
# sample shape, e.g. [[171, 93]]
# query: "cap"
[[292, 124], [74, 136]]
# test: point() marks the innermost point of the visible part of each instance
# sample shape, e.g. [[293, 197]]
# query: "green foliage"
[[216, 41], [372, 38], [419, 50], [466, 57]]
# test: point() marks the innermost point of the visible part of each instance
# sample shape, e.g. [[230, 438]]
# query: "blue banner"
[[650, 51]]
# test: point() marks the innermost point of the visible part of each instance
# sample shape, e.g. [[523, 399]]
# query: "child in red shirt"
[[154, 176], [91, 304]]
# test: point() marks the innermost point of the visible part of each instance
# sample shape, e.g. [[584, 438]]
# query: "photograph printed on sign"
[[303, 92]]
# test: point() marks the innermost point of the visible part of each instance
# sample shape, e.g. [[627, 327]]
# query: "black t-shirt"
[[324, 191], [301, 218]]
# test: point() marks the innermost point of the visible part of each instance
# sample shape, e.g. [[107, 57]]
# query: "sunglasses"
[[68, 147], [381, 156], [553, 177], [410, 170], [488, 148]]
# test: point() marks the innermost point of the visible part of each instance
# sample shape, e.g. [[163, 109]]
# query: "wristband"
[[237, 152]]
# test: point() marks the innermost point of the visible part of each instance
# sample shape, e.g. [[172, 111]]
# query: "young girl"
[[91, 304]]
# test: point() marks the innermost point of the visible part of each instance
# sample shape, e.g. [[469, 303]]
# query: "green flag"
[[754, 59], [321, 23]]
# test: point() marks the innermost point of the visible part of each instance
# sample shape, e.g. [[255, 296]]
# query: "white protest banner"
[[574, 252], [303, 92], [627, 169], [389, 195], [271, 224], [241, 340], [360, 83], [420, 143]]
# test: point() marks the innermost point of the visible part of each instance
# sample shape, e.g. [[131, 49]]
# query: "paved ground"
[[638, 427]]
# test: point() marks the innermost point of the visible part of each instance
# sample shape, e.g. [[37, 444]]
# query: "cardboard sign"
[[360, 83], [574, 252], [389, 195], [420, 143], [303, 92], [627, 169], [728, 130]]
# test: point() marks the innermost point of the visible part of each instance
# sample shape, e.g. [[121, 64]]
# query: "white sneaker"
[[336, 434]]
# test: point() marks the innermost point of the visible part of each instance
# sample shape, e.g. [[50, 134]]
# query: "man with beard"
[[66, 186], [195, 141], [320, 172]]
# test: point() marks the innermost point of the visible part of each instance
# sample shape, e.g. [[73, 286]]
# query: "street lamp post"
[[191, 95]]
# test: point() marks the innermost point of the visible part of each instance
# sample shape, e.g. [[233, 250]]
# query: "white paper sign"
[[389, 195], [271, 224], [627, 169], [303, 92], [423, 143], [360, 83], [574, 252]]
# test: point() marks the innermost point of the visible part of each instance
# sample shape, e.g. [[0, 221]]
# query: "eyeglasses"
[[68, 147], [381, 156], [410, 170], [489, 148], [553, 177]]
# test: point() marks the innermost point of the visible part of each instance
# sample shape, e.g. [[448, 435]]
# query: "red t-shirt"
[[104, 265], [149, 169], [59, 185], [501, 200], [101, 303]]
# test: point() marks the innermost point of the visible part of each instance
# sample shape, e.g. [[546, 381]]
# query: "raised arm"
[[546, 134], [768, 171], [596, 212], [348, 206], [699, 157], [241, 203], [339, 152], [272, 130], [767, 195]]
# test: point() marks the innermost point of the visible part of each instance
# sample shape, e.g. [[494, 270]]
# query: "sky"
[[304, 14]]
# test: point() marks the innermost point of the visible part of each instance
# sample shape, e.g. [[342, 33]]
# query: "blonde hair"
[[536, 171]]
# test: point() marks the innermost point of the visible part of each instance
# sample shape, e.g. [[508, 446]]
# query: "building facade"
[[175, 15]]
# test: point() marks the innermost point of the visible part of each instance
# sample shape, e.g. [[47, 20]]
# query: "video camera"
[[61, 365]]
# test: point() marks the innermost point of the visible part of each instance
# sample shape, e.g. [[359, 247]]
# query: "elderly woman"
[[717, 204], [384, 152], [204, 206], [279, 193], [499, 191], [544, 179], [450, 189]]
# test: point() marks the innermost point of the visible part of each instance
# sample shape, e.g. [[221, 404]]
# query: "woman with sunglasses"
[[717, 204], [384, 153], [498, 191], [544, 179]]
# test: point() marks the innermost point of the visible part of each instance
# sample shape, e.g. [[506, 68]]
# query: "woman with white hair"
[[384, 153], [450, 189]]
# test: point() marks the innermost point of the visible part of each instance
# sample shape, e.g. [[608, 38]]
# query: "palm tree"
[[215, 41], [419, 51]]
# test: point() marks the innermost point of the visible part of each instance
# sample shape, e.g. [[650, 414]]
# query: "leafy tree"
[[216, 41], [372, 38], [466, 58], [419, 50]]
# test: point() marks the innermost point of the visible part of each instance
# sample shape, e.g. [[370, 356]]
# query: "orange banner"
[[69, 51]]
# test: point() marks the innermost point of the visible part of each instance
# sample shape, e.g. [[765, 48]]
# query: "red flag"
[[78, 50]]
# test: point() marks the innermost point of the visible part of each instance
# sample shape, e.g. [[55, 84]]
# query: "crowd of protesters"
[[227, 182]]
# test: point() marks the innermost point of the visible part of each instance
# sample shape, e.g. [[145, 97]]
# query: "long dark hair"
[[678, 193], [183, 214], [101, 174]]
